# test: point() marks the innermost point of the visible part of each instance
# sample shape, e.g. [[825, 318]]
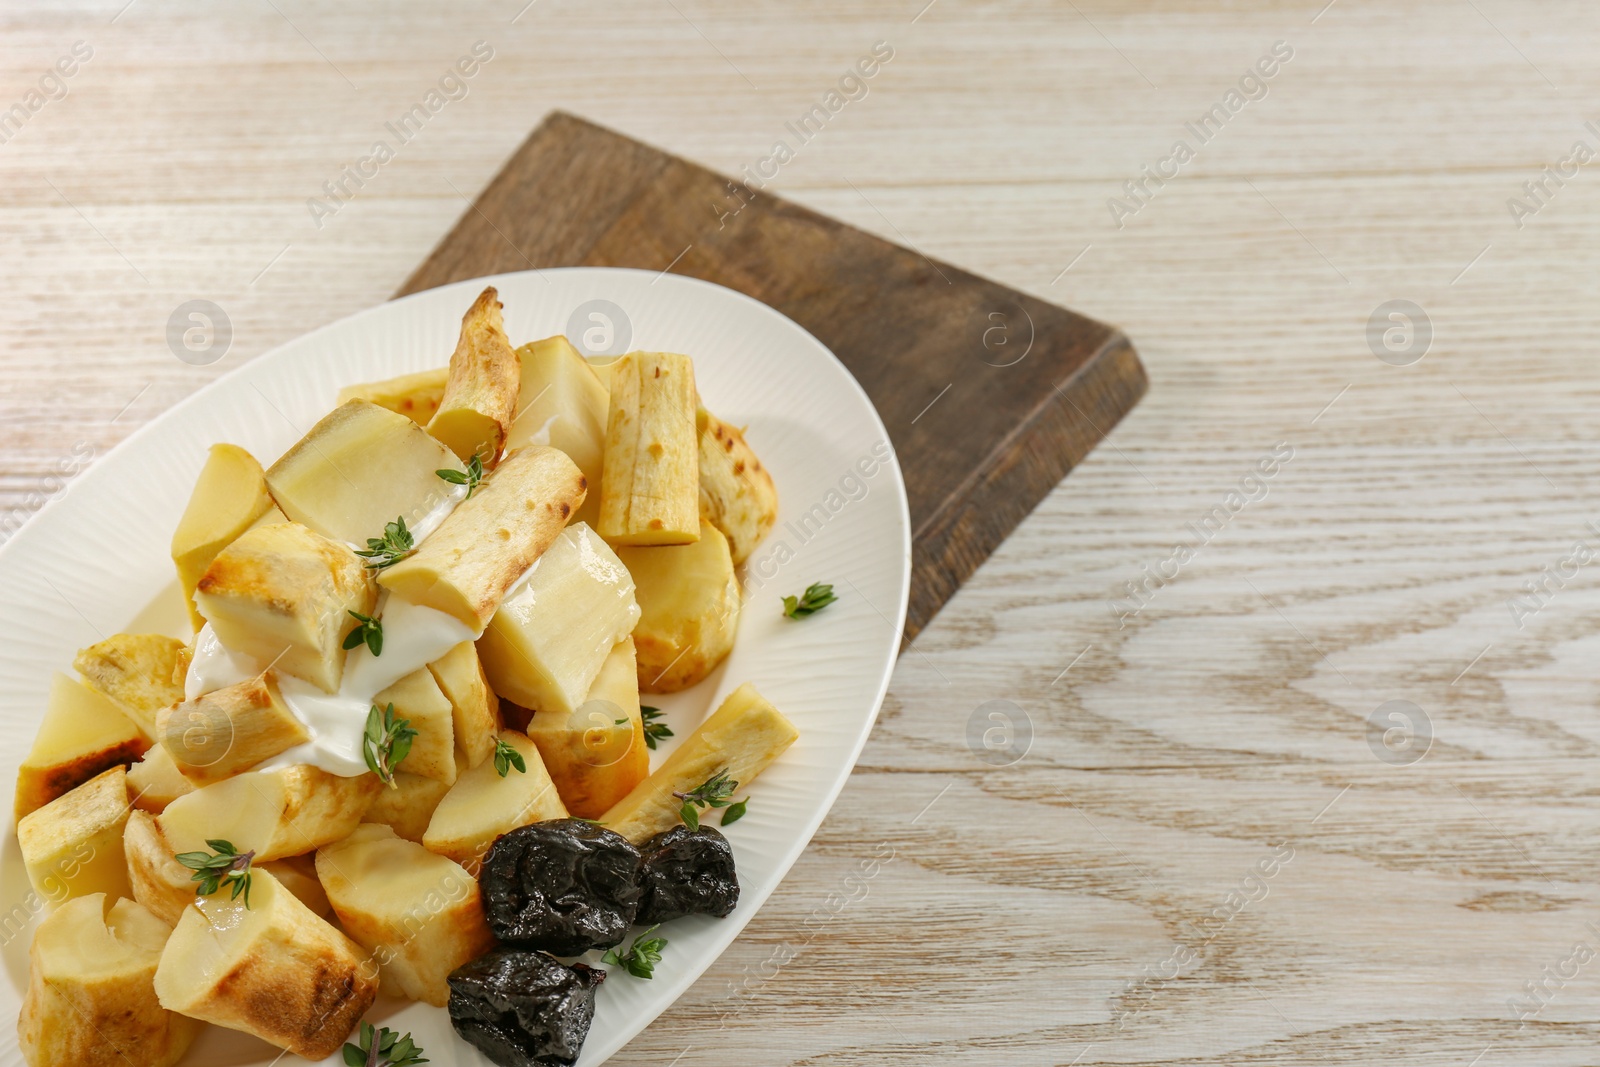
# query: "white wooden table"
[[1207, 855]]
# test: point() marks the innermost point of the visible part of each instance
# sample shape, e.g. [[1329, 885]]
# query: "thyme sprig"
[[227, 866], [395, 545], [642, 956], [369, 631], [817, 596], [382, 1048], [712, 793], [386, 742], [654, 731], [469, 477]]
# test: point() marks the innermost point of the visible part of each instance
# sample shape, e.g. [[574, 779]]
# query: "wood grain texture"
[[1037, 386], [1032, 908]]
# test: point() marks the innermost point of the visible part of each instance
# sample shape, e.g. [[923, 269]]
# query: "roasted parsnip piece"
[[482, 805], [545, 645], [474, 705], [416, 912], [689, 603], [228, 498], [357, 470], [283, 594], [155, 781], [82, 734], [651, 491], [596, 754], [492, 538], [736, 491], [137, 671], [73, 845], [480, 396], [274, 969], [229, 730], [416, 396], [418, 698], [740, 738], [275, 813], [564, 405], [159, 881], [408, 807], [91, 999]]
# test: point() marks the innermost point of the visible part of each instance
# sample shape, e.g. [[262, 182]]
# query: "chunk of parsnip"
[[742, 737], [651, 491], [274, 969], [359, 468], [283, 812], [418, 699], [467, 565], [82, 734], [596, 754], [736, 492], [473, 704], [228, 730], [157, 879], [689, 609], [545, 645], [283, 594], [417, 913], [155, 781], [416, 396], [480, 395], [482, 805], [408, 807], [228, 498], [72, 846], [91, 999], [138, 672], [564, 405]]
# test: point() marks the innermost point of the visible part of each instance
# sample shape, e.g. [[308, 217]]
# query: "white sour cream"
[[413, 637]]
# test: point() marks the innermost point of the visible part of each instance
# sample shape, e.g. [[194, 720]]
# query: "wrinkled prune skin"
[[524, 1009], [686, 872], [564, 886]]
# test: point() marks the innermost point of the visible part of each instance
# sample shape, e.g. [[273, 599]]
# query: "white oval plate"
[[96, 558]]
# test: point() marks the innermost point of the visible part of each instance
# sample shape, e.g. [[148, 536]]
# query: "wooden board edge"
[[1019, 474]]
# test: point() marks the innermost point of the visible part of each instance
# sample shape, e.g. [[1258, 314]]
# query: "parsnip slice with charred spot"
[[742, 737], [466, 566], [81, 735], [689, 609], [417, 913], [651, 491], [736, 491], [158, 880], [228, 498], [597, 754], [274, 969], [138, 672], [416, 396], [91, 999], [480, 395], [359, 468], [275, 813], [229, 730], [282, 594], [546, 644], [475, 707], [72, 846], [482, 805]]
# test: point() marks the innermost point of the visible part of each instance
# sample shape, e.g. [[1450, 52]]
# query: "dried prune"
[[564, 886], [686, 872], [524, 1009]]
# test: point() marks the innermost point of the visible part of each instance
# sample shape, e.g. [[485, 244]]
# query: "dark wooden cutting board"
[[990, 396]]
